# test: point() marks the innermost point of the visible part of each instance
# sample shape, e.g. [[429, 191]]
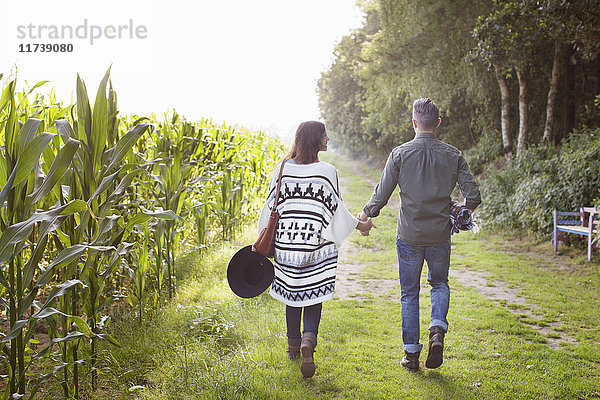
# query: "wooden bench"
[[577, 223]]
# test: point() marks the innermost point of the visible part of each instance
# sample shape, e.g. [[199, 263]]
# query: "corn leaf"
[[8, 186], [28, 131], [107, 224], [46, 312], [30, 156], [69, 337], [14, 332], [57, 169], [37, 85], [99, 123], [3, 170], [64, 129], [18, 232], [12, 235], [108, 338], [125, 144], [10, 129], [7, 95], [66, 256], [33, 262], [105, 184], [58, 290], [84, 113], [123, 185]]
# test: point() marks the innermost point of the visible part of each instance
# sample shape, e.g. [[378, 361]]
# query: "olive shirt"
[[426, 170]]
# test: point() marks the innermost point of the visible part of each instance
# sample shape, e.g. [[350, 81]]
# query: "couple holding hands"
[[313, 223]]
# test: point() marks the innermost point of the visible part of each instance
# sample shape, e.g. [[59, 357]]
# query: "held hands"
[[365, 224]]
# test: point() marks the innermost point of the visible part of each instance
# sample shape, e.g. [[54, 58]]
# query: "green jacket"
[[426, 171]]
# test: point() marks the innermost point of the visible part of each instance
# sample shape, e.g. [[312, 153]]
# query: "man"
[[426, 171]]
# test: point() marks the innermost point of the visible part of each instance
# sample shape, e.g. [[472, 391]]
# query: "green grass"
[[209, 344]]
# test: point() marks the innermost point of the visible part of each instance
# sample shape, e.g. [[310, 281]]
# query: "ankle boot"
[[410, 361], [309, 342], [293, 349], [435, 355]]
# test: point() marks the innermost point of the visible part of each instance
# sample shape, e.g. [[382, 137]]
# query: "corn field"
[[94, 210]]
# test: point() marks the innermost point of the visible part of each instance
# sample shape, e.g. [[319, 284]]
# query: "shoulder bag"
[[265, 244]]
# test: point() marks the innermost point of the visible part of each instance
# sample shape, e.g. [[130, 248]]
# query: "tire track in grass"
[[351, 285], [508, 298]]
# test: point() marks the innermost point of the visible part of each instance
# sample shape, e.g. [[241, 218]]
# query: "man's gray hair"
[[426, 113]]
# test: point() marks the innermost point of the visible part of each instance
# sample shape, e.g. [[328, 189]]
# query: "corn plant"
[[172, 150], [229, 203], [22, 186], [137, 268], [201, 213], [158, 232], [101, 178], [79, 194]]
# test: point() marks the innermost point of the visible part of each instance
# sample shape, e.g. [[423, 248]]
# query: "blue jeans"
[[410, 265], [312, 318]]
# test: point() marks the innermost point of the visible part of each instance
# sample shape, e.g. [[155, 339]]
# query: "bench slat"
[[580, 230], [570, 213], [569, 222]]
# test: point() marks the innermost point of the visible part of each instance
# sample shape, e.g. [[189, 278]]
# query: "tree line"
[[522, 72]]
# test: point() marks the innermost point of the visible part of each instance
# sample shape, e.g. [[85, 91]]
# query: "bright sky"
[[248, 62]]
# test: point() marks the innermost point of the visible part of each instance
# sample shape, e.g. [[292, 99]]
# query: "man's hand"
[[365, 226]]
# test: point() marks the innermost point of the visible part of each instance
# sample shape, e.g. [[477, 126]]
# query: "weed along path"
[[523, 325]]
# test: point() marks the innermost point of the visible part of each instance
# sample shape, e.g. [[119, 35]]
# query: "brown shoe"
[[309, 342], [411, 361], [293, 349], [435, 355]]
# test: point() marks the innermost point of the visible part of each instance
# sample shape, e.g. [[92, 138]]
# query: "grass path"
[[523, 324]]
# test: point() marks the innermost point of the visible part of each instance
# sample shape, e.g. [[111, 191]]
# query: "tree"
[[406, 50], [459, 54], [569, 25], [506, 40], [421, 51], [341, 94], [507, 144]]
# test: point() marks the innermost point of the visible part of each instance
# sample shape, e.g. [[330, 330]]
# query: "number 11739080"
[[45, 48]]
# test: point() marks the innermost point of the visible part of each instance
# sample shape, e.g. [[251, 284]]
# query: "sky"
[[248, 63]]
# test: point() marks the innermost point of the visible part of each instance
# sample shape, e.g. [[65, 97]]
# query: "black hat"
[[249, 273]]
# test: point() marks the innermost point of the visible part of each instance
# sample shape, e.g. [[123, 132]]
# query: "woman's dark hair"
[[307, 142]]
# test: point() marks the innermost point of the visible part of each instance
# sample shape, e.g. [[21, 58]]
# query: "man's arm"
[[468, 186], [383, 190]]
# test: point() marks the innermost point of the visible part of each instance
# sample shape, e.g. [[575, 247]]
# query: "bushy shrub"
[[488, 148], [580, 167], [526, 190]]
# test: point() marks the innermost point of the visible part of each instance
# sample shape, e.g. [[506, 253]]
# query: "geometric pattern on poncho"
[[305, 264]]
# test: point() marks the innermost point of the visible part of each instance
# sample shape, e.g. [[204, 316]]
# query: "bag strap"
[[278, 186]]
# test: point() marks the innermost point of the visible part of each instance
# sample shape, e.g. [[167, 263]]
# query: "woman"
[[312, 225]]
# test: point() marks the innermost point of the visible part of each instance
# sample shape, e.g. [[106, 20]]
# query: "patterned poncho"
[[312, 225]]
